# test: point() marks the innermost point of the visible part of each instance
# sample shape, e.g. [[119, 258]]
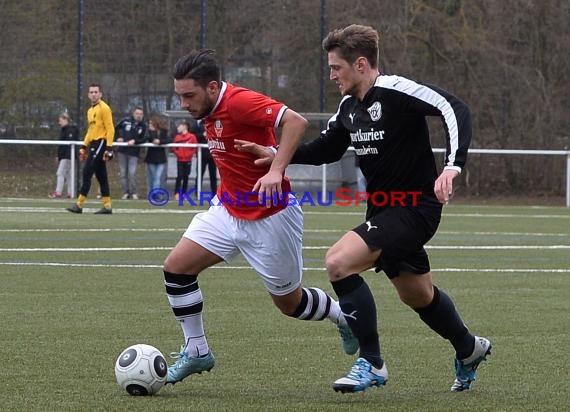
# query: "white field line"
[[473, 247], [455, 232], [156, 248], [174, 229], [499, 247], [104, 230], [224, 267], [506, 215], [307, 211], [86, 210]]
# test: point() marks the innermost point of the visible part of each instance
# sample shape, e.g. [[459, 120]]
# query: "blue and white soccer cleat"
[[349, 342], [186, 366], [362, 376], [465, 369]]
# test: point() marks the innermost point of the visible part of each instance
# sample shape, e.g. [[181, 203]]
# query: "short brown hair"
[[354, 41]]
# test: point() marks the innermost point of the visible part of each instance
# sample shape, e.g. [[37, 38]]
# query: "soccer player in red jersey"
[[244, 216]]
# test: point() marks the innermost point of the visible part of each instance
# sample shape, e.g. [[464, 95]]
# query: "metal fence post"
[[199, 172], [568, 179], [71, 184], [324, 183]]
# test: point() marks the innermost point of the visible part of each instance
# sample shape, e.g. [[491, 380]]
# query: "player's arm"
[[109, 126], [328, 148], [429, 100], [293, 127], [456, 119], [107, 118]]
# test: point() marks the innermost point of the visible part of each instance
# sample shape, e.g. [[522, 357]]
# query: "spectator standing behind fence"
[[96, 150], [131, 130], [207, 160], [68, 132], [184, 157], [156, 156]]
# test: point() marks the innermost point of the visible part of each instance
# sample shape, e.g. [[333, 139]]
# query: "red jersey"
[[243, 114], [184, 154]]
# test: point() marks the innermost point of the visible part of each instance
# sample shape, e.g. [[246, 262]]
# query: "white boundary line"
[[87, 210], [183, 210], [157, 248], [498, 247], [104, 230], [130, 266], [85, 249], [174, 229]]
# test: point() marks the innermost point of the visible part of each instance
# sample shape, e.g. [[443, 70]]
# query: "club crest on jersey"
[[218, 128], [375, 111]]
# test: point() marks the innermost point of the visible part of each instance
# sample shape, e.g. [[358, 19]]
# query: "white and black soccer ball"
[[141, 370]]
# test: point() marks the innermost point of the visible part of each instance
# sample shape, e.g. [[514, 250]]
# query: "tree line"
[[507, 59]]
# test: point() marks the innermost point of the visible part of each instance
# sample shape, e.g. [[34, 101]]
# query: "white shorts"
[[272, 246]]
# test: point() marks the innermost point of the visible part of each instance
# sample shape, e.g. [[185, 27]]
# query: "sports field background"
[[77, 289]]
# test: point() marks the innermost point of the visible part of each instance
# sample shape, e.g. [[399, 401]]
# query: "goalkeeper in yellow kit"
[[96, 150]]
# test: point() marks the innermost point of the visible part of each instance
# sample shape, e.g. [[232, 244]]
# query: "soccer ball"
[[141, 370]]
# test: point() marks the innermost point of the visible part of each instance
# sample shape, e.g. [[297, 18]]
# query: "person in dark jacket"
[[68, 132], [132, 131], [156, 156]]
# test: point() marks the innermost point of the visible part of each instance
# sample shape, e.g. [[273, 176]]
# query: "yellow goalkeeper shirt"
[[100, 124]]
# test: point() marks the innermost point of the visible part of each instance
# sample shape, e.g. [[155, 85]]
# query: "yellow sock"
[[107, 202], [81, 200]]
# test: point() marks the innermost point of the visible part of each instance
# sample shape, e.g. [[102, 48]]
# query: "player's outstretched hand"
[[268, 188], [264, 154], [82, 154], [443, 186]]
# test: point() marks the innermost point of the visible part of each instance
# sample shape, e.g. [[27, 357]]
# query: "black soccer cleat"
[[74, 209]]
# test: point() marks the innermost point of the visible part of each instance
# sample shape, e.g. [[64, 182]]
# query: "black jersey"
[[389, 132], [131, 129]]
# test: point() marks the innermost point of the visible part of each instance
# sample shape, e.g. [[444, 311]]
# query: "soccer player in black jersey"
[[384, 118]]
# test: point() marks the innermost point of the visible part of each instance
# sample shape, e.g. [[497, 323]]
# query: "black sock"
[[359, 308], [442, 317]]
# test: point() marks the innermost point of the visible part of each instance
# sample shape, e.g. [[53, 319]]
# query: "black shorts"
[[401, 234]]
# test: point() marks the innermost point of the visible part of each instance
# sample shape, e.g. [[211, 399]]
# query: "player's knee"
[[167, 267], [336, 265], [170, 265]]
